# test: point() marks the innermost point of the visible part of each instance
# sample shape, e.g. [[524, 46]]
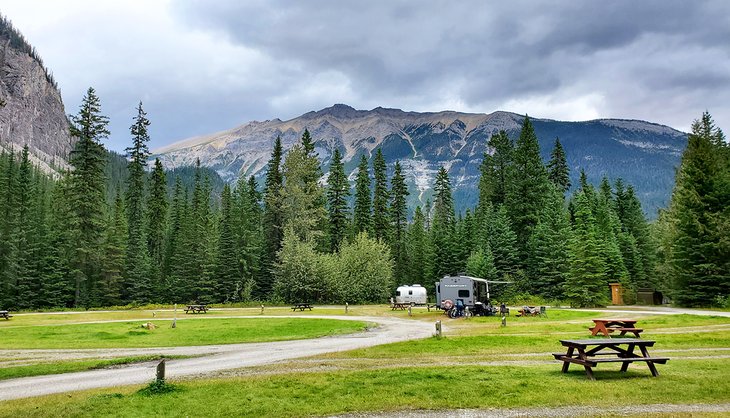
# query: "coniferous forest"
[[90, 238]]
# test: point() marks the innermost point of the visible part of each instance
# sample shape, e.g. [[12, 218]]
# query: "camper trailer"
[[414, 294], [456, 293]]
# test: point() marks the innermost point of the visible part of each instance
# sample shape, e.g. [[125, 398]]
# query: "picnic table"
[[197, 309], [302, 306], [5, 314], [607, 326], [607, 350], [399, 305]]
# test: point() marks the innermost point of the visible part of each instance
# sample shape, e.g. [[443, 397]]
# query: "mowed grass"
[[40, 369], [478, 364], [399, 389], [201, 331]]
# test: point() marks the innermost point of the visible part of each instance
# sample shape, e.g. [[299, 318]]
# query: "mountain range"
[[644, 154]]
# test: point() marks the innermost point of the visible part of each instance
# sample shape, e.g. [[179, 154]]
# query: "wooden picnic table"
[[400, 305], [608, 350], [202, 308], [6, 315], [607, 326], [302, 306]]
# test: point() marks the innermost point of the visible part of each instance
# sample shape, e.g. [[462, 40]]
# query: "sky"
[[203, 66]]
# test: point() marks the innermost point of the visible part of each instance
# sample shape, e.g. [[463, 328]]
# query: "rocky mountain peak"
[[33, 112]]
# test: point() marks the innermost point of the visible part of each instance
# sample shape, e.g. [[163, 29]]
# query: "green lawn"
[[201, 331], [395, 389], [41, 369], [477, 364]]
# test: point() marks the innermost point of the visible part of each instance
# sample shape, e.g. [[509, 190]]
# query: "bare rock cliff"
[[31, 109]]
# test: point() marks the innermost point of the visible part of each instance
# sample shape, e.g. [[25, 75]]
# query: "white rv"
[[415, 295]]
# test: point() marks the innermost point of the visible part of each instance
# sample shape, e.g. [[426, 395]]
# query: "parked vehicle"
[[465, 295], [414, 294]]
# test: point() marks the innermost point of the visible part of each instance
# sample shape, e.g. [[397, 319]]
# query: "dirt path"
[[215, 357]]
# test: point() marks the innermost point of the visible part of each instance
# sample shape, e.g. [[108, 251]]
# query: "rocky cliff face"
[[642, 153], [33, 111]]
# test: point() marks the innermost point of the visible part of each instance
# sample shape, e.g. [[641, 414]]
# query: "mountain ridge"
[[635, 150]]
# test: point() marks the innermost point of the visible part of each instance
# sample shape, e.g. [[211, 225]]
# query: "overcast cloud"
[[201, 66]]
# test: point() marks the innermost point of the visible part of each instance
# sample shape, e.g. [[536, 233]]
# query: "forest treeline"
[[81, 241]]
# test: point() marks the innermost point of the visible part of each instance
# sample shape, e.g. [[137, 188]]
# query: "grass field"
[[477, 364], [56, 367], [201, 331]]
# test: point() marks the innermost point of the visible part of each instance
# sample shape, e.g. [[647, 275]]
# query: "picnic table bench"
[[5, 314], [302, 306], [607, 326], [196, 309], [399, 305], [607, 350]]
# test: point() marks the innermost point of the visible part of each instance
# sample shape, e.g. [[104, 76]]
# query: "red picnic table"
[[607, 326]]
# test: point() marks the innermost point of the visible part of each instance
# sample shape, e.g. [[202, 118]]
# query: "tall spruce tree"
[[558, 171], [495, 170], [381, 219], [443, 233], [699, 213], [115, 244], [502, 241], [303, 198], [157, 208], [586, 284], [418, 247], [338, 190], [87, 195], [399, 221], [528, 190], [272, 216], [549, 248], [362, 216], [27, 282], [137, 263], [227, 274]]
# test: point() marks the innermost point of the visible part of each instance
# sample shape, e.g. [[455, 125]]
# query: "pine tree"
[[481, 264], [157, 208], [529, 188], [338, 190], [607, 229], [27, 283], [418, 249], [502, 241], [381, 219], [558, 171], [495, 170], [699, 212], [87, 194], [399, 221], [57, 287], [8, 231], [253, 280], [201, 271], [137, 263], [175, 251], [227, 274], [362, 217], [586, 284], [110, 284], [272, 216], [549, 247], [442, 229], [303, 198]]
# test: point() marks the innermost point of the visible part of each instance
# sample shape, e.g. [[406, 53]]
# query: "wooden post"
[[438, 328], [409, 310], [161, 371], [262, 309], [174, 317], [346, 306], [504, 319]]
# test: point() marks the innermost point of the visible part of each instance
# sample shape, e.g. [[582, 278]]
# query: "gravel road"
[[214, 357]]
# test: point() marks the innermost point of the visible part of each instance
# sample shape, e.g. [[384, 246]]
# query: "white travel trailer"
[[415, 295], [465, 292]]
